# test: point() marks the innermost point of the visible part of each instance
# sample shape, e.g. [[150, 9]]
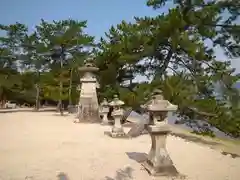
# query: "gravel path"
[[44, 146]]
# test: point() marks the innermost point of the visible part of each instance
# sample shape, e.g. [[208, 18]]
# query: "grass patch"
[[226, 146]]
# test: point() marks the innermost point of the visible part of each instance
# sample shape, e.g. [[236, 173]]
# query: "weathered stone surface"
[[159, 162], [88, 102], [104, 120], [118, 133], [121, 135], [104, 109], [86, 113], [117, 129]]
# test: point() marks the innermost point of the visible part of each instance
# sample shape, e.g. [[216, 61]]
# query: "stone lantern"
[[104, 109], [117, 129], [159, 162], [88, 101]]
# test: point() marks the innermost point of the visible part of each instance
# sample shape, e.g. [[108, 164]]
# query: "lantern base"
[[159, 162], [163, 170], [117, 134]]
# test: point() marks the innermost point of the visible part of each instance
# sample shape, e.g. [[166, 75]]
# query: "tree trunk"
[[60, 97], [37, 105], [70, 88], [1, 99], [160, 72], [61, 87]]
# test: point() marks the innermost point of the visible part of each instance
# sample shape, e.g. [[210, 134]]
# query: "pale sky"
[[101, 15]]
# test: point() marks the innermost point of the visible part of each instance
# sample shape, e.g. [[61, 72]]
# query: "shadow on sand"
[[136, 156], [26, 110], [62, 176], [58, 114], [233, 155], [122, 174]]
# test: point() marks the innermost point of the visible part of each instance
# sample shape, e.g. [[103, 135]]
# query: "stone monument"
[[117, 129], [88, 110], [158, 162], [104, 109]]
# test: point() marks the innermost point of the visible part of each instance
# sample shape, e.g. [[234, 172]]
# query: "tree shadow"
[[209, 143], [58, 114], [136, 156], [122, 174], [233, 155], [194, 139], [62, 176]]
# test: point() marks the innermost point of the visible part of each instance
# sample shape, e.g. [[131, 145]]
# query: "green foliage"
[[176, 42], [170, 49]]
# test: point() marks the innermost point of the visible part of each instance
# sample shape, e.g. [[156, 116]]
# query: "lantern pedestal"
[[104, 119], [104, 109], [159, 162], [117, 129]]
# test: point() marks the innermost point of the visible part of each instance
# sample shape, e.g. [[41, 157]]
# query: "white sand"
[[45, 146]]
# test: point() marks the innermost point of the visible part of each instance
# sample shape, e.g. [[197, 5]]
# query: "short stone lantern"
[[117, 129], [159, 162], [104, 109]]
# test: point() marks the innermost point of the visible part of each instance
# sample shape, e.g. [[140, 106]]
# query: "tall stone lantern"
[[117, 129], [104, 109], [88, 101], [159, 162]]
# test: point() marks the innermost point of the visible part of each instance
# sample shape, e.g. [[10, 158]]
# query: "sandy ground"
[[44, 146]]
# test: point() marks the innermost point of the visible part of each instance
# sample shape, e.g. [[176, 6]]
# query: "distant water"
[[173, 118]]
